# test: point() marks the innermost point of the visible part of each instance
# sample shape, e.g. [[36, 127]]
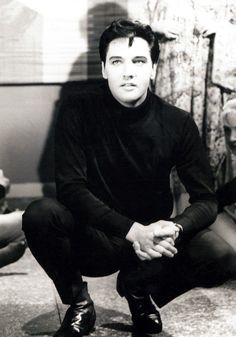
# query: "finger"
[[163, 251], [136, 245], [153, 253], [166, 249], [168, 246], [141, 254], [169, 239]]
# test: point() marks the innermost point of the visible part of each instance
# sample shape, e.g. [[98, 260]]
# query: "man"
[[115, 148]]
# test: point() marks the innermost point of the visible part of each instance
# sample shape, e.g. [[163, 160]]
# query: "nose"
[[128, 70]]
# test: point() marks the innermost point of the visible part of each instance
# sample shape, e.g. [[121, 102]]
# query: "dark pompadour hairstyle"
[[130, 29]]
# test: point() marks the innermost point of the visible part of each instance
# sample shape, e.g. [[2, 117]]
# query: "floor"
[[29, 306]]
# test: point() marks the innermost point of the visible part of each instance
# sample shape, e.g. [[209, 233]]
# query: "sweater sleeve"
[[195, 173], [71, 176]]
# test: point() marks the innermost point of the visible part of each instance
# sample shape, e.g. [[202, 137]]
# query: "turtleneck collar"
[[128, 114]]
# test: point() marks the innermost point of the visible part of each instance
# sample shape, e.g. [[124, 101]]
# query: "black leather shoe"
[[79, 319], [145, 316]]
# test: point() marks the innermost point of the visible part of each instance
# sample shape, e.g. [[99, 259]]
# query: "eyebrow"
[[115, 57], [140, 57], [135, 57]]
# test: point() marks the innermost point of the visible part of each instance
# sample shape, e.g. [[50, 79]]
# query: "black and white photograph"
[[117, 168]]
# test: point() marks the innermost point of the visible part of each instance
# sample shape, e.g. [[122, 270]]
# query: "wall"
[[27, 115], [30, 54]]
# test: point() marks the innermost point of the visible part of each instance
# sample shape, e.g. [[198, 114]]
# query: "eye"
[[115, 62], [140, 61]]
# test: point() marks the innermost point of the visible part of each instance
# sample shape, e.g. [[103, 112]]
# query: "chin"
[[129, 100]]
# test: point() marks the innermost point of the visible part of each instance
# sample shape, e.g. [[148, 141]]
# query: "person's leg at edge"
[[12, 240], [225, 228]]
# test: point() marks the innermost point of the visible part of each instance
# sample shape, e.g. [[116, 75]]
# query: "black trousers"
[[66, 251]]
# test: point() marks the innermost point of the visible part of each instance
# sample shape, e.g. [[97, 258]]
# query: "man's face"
[[128, 70], [230, 130]]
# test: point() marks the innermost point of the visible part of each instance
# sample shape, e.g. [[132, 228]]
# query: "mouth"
[[128, 85]]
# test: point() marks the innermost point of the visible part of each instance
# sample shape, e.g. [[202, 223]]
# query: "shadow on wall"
[[98, 17]]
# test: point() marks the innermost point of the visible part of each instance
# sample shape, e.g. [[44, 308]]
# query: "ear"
[[104, 74], [154, 70]]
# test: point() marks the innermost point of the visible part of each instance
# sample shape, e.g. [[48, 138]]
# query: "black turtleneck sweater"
[[113, 163]]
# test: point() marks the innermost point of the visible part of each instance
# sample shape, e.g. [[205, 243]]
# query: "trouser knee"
[[46, 215]]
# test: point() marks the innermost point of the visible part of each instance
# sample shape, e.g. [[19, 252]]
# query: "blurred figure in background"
[[12, 239], [225, 224]]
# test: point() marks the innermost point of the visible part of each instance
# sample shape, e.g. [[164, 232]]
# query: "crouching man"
[[115, 147]]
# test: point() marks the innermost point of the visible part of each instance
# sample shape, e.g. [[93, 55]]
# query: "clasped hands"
[[154, 240]]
